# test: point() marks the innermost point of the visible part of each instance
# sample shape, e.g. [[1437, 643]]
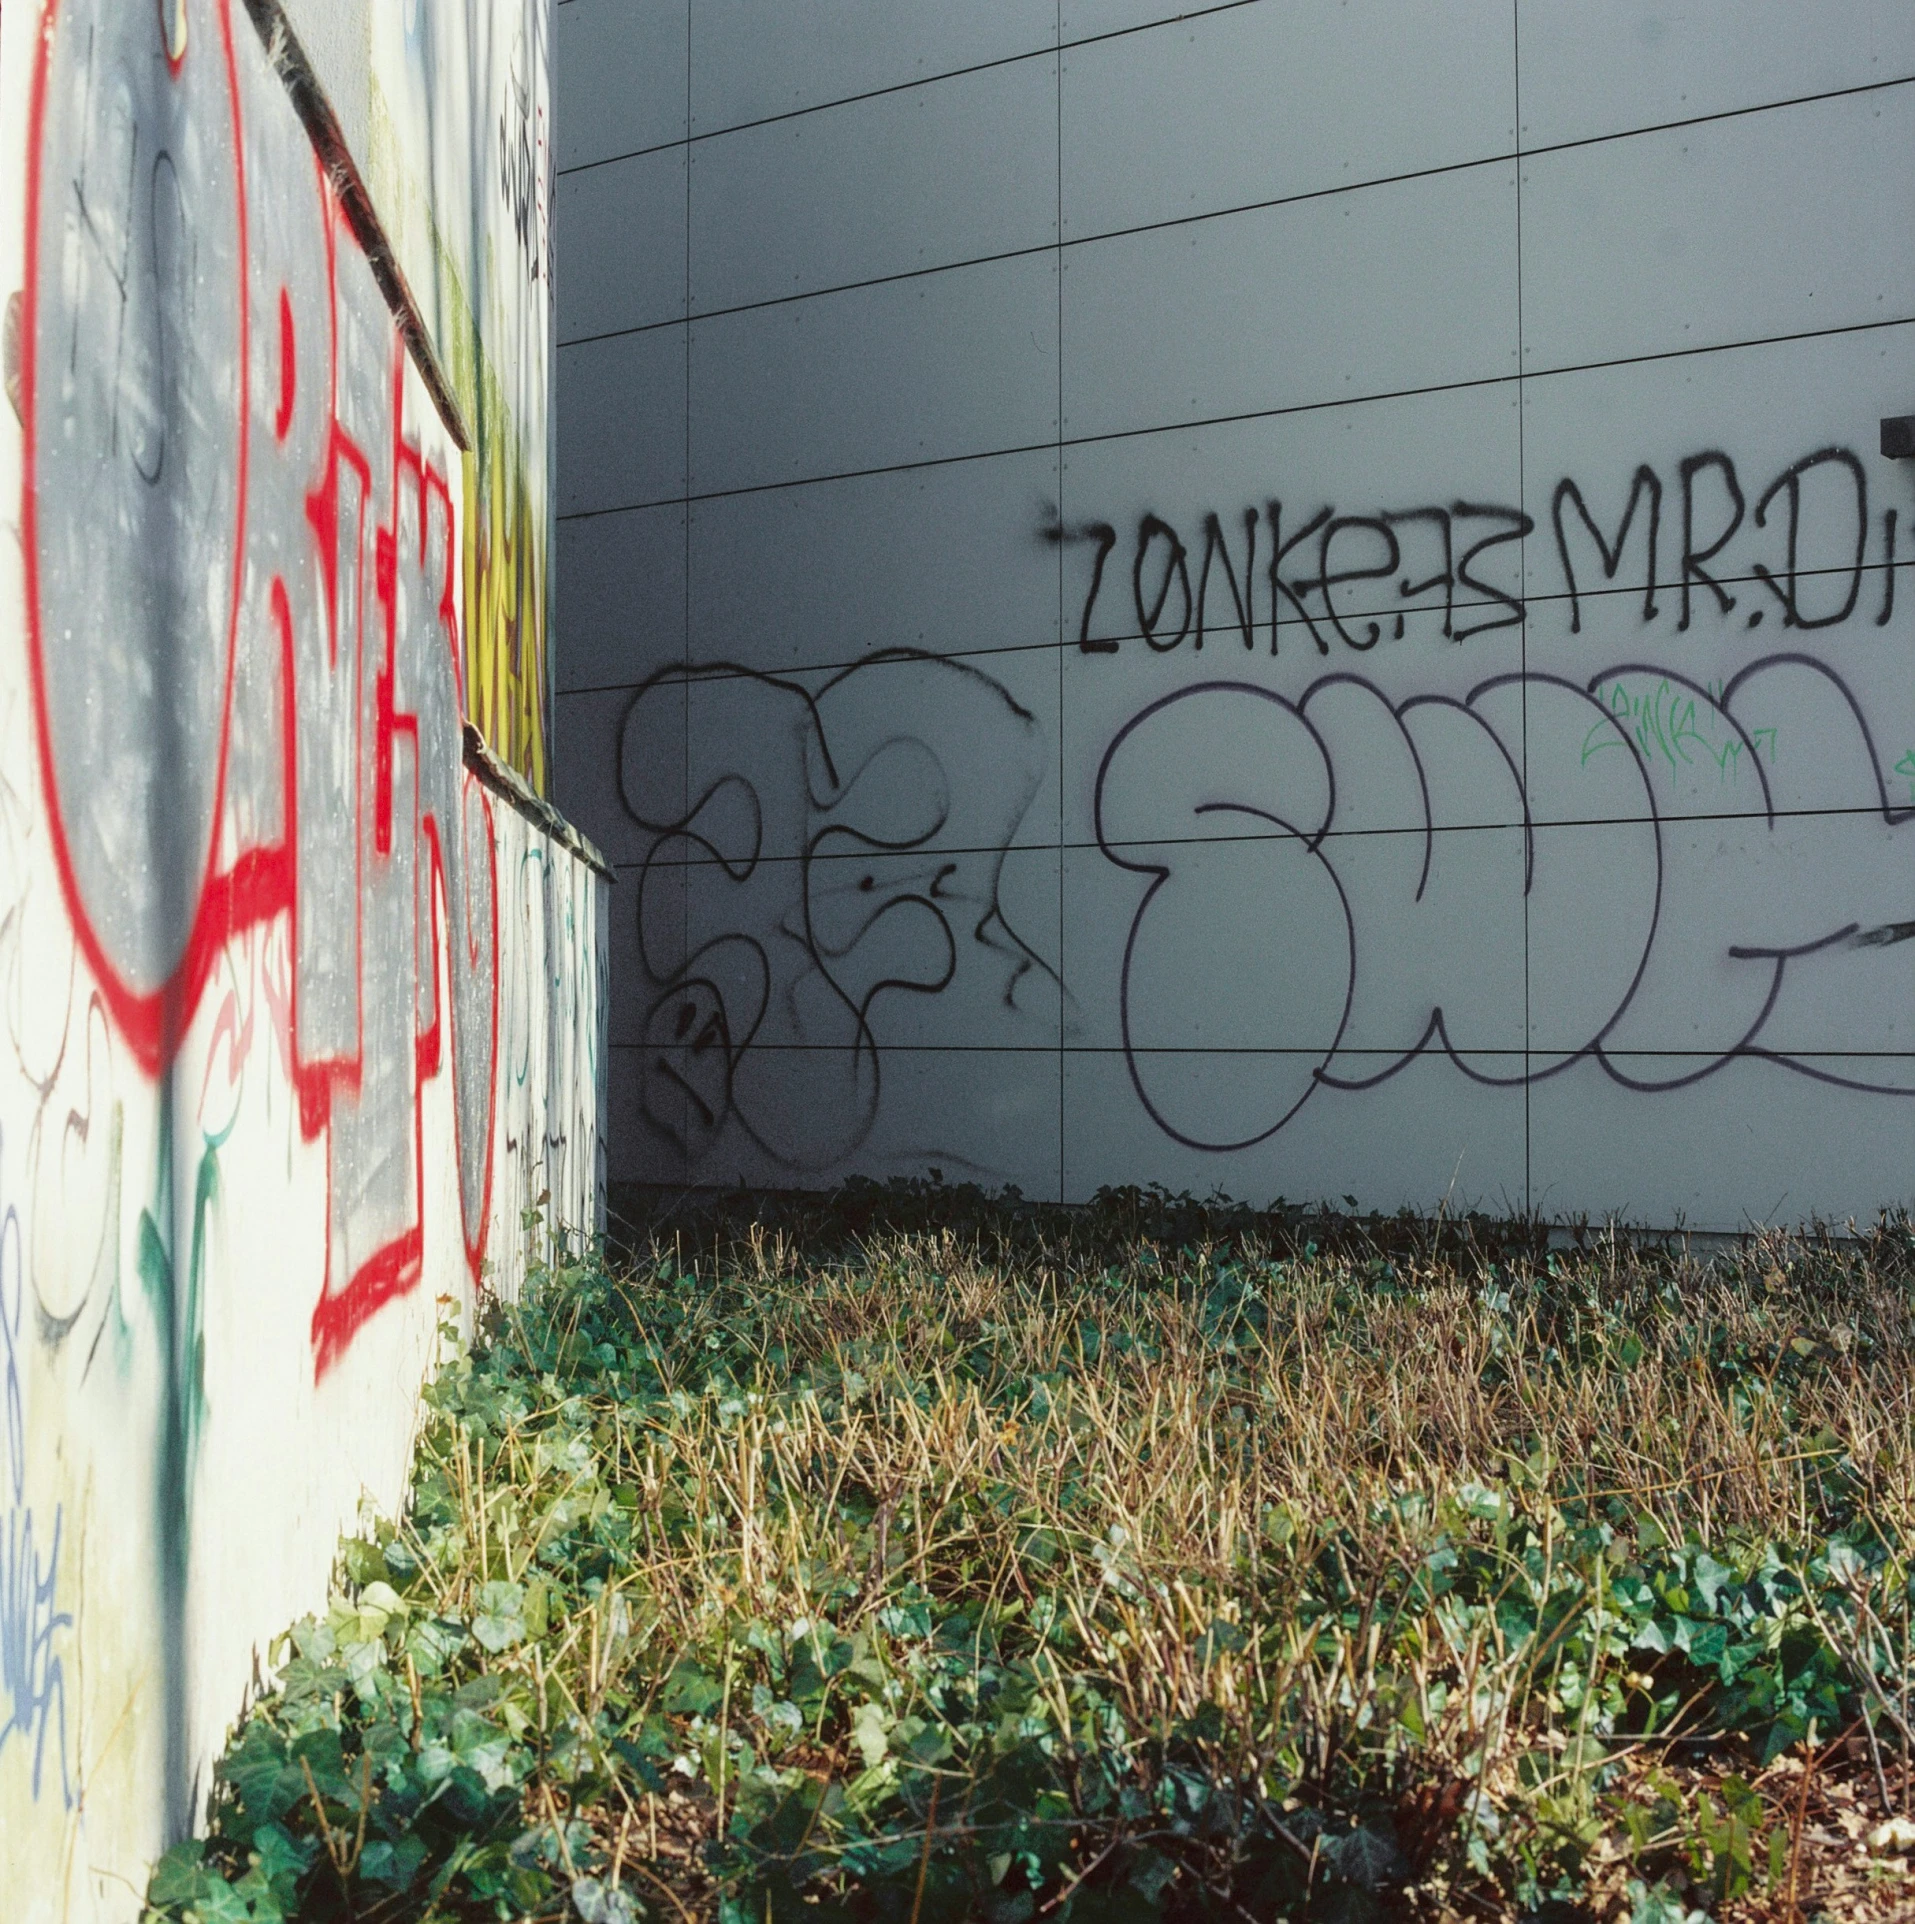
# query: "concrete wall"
[[458, 158], [1287, 596], [443, 106], [337, 38], [300, 993]]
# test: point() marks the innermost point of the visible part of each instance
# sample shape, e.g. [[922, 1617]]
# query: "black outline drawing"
[[1303, 766], [782, 993]]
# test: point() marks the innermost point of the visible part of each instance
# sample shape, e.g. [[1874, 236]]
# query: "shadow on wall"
[[242, 622], [248, 848], [817, 857]]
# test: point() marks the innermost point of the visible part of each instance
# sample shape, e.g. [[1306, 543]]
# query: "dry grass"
[[933, 1558], [1195, 1435]]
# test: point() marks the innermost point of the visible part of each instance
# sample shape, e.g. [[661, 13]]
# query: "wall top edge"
[[506, 782], [294, 67]]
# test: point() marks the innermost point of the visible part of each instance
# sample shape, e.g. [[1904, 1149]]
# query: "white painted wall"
[[337, 38], [458, 159], [1474, 875], [301, 1005]]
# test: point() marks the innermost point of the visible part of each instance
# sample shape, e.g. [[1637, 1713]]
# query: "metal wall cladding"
[[1280, 597]]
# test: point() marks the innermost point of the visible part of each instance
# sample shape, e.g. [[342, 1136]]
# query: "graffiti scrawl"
[[1339, 884], [242, 622], [817, 857], [33, 1626]]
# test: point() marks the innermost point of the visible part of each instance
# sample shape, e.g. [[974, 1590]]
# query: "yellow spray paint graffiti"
[[459, 166], [506, 602]]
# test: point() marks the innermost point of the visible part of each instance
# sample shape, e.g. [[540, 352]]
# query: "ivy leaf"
[[222, 1904], [691, 1692], [870, 1731], [1151, 1872], [1367, 1859], [321, 1752], [283, 1860], [433, 1642], [1844, 1565], [599, 1903], [1711, 1578], [1702, 1643], [1219, 1638], [180, 1876], [394, 1865], [380, 1600], [1657, 1904], [482, 1748], [501, 1619], [265, 1779]]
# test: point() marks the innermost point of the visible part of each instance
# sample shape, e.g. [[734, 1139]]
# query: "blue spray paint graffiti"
[[32, 1676]]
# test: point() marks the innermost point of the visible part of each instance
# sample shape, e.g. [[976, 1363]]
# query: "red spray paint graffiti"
[[242, 615]]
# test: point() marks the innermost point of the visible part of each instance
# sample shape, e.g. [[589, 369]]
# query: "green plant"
[[912, 1553]]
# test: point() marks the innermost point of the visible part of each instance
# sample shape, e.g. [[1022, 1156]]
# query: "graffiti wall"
[[1288, 597], [459, 161], [300, 992]]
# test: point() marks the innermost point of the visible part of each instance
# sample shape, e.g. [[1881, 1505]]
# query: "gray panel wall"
[[936, 385]]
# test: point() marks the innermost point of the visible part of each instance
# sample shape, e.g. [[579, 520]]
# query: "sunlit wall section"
[[301, 989]]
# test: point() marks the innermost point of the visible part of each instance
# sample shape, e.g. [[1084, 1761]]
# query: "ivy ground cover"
[[912, 1554]]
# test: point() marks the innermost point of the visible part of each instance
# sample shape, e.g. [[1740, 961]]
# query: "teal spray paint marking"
[[1665, 724], [181, 1326]]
